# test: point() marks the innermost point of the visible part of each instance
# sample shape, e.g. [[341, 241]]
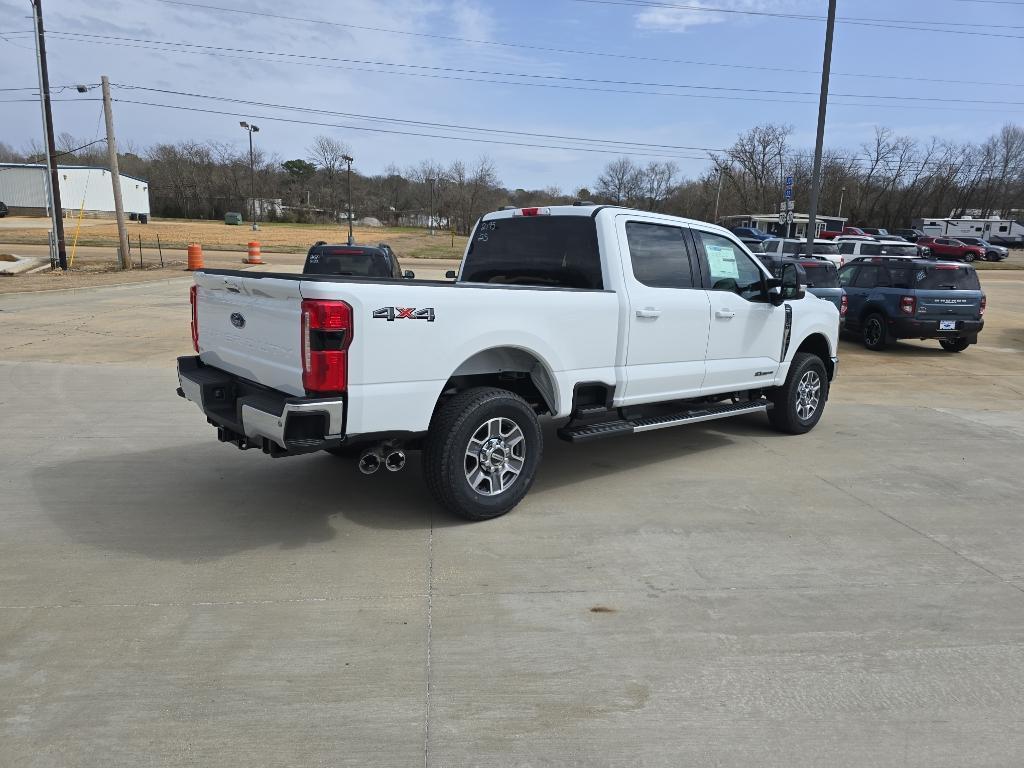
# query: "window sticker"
[[722, 259]]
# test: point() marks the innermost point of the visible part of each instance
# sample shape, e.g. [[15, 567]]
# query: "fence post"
[[160, 249], [140, 252]]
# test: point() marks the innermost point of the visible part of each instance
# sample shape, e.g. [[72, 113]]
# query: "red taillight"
[[844, 305], [532, 212], [984, 303], [908, 305], [326, 336], [194, 301]]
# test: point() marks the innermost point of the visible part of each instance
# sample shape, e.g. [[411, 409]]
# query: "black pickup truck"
[[377, 261]]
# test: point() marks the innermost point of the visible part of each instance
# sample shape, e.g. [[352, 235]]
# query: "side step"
[[583, 432]]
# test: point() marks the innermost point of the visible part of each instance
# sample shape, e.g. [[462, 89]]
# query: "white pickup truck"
[[607, 320]]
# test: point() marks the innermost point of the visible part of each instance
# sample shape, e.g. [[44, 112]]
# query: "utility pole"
[[430, 208], [56, 210], [826, 68], [348, 159], [115, 176], [718, 197], [842, 196]]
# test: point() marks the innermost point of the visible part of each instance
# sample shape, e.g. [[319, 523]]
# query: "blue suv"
[[901, 298]]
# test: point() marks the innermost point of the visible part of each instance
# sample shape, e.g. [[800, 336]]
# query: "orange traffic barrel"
[[254, 254], [195, 257]]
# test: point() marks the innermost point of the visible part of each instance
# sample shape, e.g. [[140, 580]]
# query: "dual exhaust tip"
[[372, 459]]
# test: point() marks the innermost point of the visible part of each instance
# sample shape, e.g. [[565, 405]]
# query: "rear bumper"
[[251, 416], [907, 328]]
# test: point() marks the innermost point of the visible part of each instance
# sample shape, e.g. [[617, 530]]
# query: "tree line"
[[887, 182]]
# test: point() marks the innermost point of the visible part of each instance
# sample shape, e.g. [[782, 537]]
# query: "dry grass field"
[[176, 234]]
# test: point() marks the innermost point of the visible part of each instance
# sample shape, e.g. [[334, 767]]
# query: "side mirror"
[[791, 287], [450, 274], [409, 274], [773, 286]]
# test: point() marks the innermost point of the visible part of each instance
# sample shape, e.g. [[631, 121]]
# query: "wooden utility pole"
[[115, 177], [51, 149], [826, 68]]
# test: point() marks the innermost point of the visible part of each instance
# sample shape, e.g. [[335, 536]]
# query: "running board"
[[583, 432]]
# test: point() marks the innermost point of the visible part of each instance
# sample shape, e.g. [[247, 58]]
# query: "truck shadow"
[[204, 502]]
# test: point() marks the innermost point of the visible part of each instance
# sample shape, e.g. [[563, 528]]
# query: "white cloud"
[[472, 21], [681, 19]]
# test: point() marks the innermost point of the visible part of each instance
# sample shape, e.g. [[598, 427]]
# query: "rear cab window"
[[348, 261], [552, 251], [820, 274]]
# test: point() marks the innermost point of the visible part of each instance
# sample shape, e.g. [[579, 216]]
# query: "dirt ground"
[[176, 234]]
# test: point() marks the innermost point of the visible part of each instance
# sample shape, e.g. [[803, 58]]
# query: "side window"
[[867, 277], [659, 255], [846, 248], [730, 268], [870, 249], [846, 275]]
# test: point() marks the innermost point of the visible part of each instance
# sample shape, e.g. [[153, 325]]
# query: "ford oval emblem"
[[237, 320]]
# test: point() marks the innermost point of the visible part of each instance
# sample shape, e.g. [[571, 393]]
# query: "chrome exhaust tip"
[[369, 462], [395, 461]]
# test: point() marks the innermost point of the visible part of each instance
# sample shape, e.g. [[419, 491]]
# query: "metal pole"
[[430, 209], [351, 240], [842, 195], [115, 176], [826, 68], [252, 182], [160, 249], [718, 197], [57, 211]]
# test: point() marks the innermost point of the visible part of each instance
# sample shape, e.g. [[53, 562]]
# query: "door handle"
[[648, 312], [725, 314]]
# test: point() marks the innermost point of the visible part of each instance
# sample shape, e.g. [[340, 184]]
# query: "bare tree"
[[326, 153], [621, 182]]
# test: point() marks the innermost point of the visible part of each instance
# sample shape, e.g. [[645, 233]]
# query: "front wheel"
[[954, 345], [968, 258], [482, 452], [798, 404]]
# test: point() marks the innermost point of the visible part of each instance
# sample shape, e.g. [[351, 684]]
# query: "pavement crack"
[[430, 606], [909, 527]]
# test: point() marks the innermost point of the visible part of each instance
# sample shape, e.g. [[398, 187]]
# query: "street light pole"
[[718, 197], [251, 129], [842, 195], [826, 68], [348, 159]]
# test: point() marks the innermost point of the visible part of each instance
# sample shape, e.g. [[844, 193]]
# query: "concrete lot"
[[713, 595]]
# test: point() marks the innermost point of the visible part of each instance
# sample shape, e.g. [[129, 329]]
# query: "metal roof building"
[[23, 189]]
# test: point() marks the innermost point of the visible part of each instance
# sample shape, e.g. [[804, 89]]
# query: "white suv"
[[791, 246], [851, 249]]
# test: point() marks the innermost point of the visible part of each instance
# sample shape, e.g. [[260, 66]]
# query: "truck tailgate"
[[251, 327]]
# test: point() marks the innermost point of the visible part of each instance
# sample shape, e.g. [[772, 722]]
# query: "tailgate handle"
[[230, 286]]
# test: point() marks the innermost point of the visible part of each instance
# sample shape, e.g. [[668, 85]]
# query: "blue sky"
[[752, 48]]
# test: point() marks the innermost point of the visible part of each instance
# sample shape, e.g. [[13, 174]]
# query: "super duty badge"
[[404, 313]]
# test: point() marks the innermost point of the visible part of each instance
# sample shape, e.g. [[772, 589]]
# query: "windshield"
[[820, 274], [557, 251], [357, 262], [820, 249]]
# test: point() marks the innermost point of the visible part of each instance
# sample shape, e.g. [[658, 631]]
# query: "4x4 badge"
[[404, 313]]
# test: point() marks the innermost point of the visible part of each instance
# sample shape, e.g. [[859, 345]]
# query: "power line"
[[579, 52], [404, 133], [913, 25], [550, 81]]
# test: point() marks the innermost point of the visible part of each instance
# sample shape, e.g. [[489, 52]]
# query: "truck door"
[[746, 332], [668, 318]]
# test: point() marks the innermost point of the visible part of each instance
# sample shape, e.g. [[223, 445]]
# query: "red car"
[[828, 235], [951, 248]]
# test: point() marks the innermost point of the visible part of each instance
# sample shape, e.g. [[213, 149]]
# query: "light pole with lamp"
[[251, 129], [348, 159]]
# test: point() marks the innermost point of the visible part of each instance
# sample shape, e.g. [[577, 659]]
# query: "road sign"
[[789, 193], [790, 205]]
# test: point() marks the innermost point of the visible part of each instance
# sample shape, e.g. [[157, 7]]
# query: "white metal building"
[[23, 189]]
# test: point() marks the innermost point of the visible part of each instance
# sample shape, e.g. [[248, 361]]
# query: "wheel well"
[[816, 344], [511, 368]]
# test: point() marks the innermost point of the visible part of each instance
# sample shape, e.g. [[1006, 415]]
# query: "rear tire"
[[482, 452], [799, 403], [954, 345], [968, 258], [874, 333]]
